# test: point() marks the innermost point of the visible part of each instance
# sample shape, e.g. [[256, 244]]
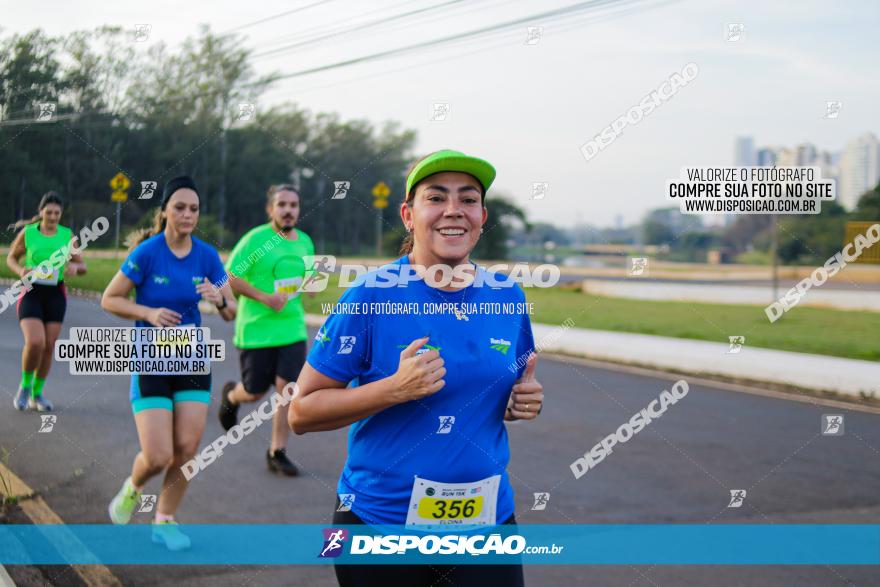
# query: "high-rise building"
[[859, 169], [766, 158], [806, 155], [744, 152]]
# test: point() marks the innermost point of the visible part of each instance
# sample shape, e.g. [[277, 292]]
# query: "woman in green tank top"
[[42, 306]]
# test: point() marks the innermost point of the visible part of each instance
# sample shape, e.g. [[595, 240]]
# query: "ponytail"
[[137, 236]]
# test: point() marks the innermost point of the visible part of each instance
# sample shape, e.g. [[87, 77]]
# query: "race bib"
[[44, 277], [444, 504], [288, 286]]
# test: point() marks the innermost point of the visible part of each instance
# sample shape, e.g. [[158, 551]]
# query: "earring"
[[408, 229], [481, 231]]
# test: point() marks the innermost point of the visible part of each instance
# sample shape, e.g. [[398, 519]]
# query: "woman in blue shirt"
[[171, 272], [426, 421]]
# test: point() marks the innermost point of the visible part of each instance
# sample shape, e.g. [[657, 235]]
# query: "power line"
[[279, 15], [359, 27], [322, 29], [470, 35], [559, 12]]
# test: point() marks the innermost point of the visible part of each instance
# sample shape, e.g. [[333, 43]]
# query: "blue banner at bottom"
[[662, 544]]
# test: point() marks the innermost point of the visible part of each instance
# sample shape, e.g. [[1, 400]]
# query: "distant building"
[[744, 152], [806, 155], [766, 158], [677, 222], [859, 169]]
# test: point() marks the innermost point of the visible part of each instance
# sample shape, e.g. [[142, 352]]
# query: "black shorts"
[[151, 392], [424, 575], [45, 302], [259, 367]]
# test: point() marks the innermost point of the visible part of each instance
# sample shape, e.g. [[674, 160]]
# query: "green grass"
[[806, 330], [839, 333], [100, 272]]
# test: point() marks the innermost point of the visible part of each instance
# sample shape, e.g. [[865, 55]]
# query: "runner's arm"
[[16, 251], [243, 288], [76, 263], [323, 403], [229, 310], [116, 301]]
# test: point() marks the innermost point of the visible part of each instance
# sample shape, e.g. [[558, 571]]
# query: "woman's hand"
[[418, 376], [527, 397], [163, 317], [209, 293]]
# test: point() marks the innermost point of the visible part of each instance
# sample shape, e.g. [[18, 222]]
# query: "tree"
[[503, 217], [868, 206], [657, 233], [812, 238]]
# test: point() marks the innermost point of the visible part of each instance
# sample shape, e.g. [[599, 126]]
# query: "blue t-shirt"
[[386, 450], [163, 280]]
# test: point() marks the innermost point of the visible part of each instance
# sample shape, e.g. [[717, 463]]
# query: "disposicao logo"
[[333, 541], [160, 279], [500, 345]]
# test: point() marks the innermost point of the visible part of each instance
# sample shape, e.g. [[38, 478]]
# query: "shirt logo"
[[499, 344], [133, 265], [333, 540], [197, 280], [424, 349], [321, 338], [446, 423], [346, 345], [160, 279]]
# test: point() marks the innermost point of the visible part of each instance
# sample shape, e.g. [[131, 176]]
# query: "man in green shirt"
[[267, 269]]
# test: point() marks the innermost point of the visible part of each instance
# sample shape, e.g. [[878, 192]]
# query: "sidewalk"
[[810, 372]]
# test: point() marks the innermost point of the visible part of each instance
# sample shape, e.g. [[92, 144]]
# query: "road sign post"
[[380, 202], [120, 184]]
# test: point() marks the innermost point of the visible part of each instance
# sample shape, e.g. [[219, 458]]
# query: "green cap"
[[448, 160]]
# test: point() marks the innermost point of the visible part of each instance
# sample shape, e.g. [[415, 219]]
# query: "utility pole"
[[774, 252]]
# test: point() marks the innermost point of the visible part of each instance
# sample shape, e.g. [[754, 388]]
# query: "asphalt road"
[[677, 470]]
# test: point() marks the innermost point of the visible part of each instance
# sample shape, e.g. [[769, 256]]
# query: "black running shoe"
[[228, 411], [279, 463]]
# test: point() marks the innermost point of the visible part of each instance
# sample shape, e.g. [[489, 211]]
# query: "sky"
[[528, 108]]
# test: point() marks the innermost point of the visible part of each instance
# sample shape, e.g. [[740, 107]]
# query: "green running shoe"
[[169, 534], [124, 503]]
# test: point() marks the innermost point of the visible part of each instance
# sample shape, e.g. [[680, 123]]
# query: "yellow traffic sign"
[[859, 228], [120, 182], [119, 196], [381, 190], [380, 203]]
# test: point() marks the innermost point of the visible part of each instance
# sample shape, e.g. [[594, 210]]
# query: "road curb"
[[5, 579], [39, 512]]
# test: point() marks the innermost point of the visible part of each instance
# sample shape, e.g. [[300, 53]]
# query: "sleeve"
[[525, 341], [309, 259], [239, 252], [216, 272], [341, 349], [135, 266]]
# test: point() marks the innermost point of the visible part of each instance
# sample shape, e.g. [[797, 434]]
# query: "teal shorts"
[[161, 392]]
